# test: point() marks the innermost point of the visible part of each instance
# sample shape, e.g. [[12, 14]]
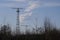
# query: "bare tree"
[[48, 27], [37, 29], [5, 29]]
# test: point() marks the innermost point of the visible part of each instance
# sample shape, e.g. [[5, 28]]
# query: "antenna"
[[17, 24]]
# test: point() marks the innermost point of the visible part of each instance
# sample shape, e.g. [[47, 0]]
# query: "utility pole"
[[18, 23]]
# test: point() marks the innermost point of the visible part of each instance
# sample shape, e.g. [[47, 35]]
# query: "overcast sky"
[[31, 9]]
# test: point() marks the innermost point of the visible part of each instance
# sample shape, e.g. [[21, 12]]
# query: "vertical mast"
[[17, 23]]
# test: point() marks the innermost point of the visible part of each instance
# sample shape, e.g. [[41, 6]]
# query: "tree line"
[[47, 32]]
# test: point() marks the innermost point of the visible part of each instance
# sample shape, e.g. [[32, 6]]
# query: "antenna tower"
[[18, 23]]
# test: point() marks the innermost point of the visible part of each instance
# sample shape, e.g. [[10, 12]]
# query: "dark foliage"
[[47, 34]]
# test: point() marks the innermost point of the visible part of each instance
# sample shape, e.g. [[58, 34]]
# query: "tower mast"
[[18, 23]]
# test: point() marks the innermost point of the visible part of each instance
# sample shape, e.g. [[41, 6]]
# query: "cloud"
[[31, 7], [34, 5], [8, 5], [49, 4], [20, 3], [23, 16], [28, 11], [12, 5], [17, 0]]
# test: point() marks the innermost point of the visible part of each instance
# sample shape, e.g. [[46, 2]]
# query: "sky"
[[32, 9]]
